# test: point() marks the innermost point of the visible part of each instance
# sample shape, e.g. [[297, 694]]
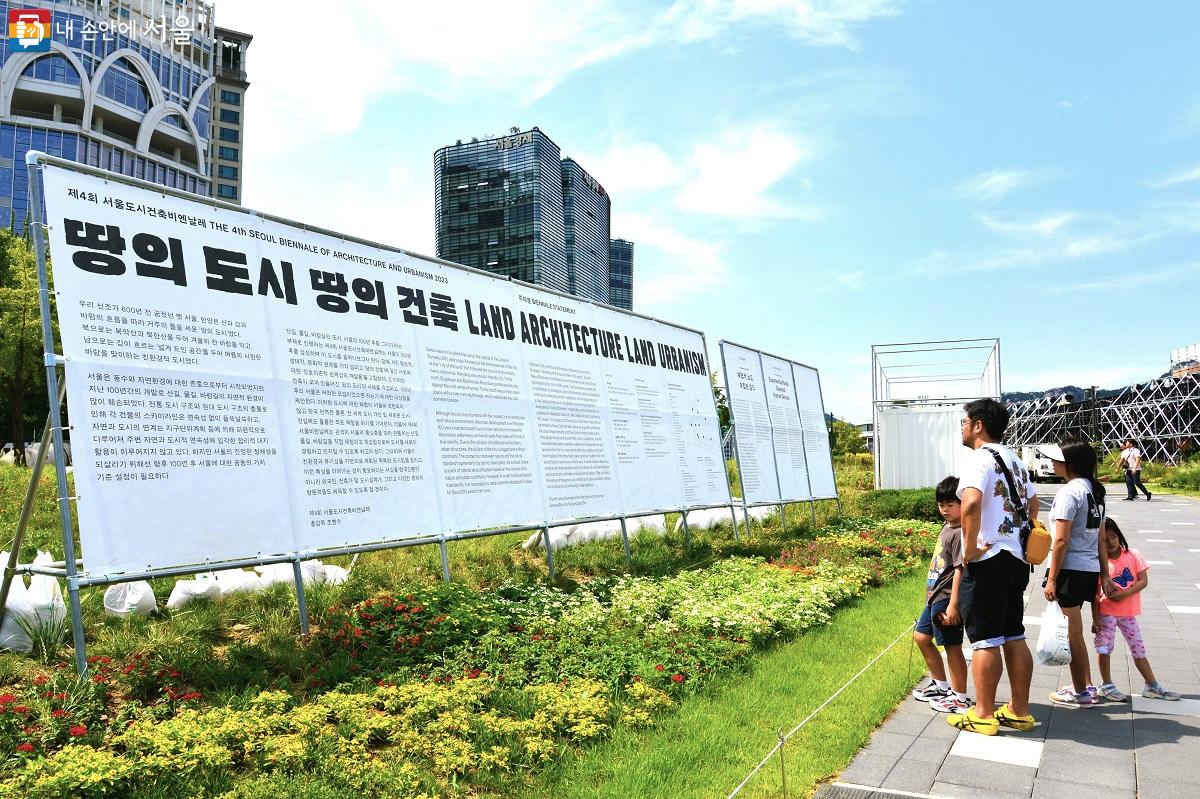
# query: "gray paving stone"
[[908, 723], [1159, 786], [987, 774], [929, 749], [868, 769], [1046, 788], [1112, 769], [884, 743], [911, 776], [955, 791]]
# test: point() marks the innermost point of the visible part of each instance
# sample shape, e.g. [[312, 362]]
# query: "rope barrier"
[[783, 738]]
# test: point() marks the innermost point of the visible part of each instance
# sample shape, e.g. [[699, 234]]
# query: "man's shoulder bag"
[[1035, 543]]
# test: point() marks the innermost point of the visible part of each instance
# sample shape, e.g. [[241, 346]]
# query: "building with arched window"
[[126, 85]]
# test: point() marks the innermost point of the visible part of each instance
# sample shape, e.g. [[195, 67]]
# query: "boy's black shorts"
[[1074, 587], [991, 599]]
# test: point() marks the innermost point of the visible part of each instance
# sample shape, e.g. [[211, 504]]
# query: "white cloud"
[[732, 174], [1047, 225], [1127, 280], [639, 166], [669, 265], [1175, 178], [988, 187], [852, 280], [516, 50]]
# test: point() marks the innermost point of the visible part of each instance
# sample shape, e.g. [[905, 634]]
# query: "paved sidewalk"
[[1146, 748]]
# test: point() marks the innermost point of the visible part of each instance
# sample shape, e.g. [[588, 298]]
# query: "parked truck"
[[1040, 467]]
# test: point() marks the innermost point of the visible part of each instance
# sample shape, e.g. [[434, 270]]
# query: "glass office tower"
[[117, 89], [620, 273], [586, 222], [499, 207]]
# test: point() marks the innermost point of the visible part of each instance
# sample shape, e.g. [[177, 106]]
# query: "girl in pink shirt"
[[1120, 609]]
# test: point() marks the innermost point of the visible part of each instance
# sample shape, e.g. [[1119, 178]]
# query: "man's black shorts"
[[992, 600], [1074, 587]]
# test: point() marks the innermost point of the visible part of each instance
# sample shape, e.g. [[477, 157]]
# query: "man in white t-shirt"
[[992, 591], [1131, 459]]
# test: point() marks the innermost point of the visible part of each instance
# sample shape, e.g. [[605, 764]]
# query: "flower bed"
[[441, 690]]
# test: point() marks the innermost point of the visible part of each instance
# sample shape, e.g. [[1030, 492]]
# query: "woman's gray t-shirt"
[[1075, 503]]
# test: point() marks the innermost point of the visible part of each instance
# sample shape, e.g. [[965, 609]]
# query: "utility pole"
[[1094, 417]]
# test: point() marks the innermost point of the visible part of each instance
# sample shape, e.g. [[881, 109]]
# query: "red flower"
[[59, 713], [677, 678], [660, 667], [77, 731], [7, 699], [637, 678], [20, 709], [41, 679], [25, 747]]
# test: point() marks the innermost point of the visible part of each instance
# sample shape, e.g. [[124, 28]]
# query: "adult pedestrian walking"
[[1131, 459], [1078, 556], [992, 591]]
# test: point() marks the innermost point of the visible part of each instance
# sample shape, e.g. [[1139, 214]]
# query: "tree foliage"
[[845, 438], [22, 369], [722, 402]]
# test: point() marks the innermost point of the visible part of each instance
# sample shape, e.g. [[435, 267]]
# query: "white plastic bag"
[[187, 590], [335, 575], [129, 599], [12, 634], [311, 572], [1053, 648], [45, 594], [232, 581]]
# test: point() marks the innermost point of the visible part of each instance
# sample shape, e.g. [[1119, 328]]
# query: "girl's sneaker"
[[1112, 693], [951, 704], [1066, 697], [930, 693], [1157, 691]]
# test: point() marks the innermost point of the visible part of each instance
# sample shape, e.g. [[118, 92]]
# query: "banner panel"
[[787, 433], [241, 386], [816, 434], [751, 423]]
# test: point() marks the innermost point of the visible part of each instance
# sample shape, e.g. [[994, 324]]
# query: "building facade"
[[620, 273], [586, 210], [125, 85], [228, 113], [499, 207]]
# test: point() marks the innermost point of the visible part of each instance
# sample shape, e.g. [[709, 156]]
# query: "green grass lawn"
[[708, 746]]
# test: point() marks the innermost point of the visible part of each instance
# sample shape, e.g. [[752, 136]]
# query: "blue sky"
[[809, 178]]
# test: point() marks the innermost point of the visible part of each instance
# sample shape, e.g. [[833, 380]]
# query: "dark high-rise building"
[[229, 113], [499, 207], [123, 85], [620, 273], [585, 221]]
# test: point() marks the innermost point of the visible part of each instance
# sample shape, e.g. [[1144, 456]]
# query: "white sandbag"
[[311, 572], [335, 575], [186, 591], [129, 599], [567, 535], [654, 522], [232, 581], [46, 597], [1053, 646], [12, 634]]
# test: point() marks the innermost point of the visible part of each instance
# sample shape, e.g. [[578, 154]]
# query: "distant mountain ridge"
[[1077, 394]]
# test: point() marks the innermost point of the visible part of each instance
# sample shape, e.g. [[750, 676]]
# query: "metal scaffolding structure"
[[1162, 416]]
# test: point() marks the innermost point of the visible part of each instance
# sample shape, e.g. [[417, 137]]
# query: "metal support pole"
[[838, 500], [35, 476], [298, 576], [812, 506], [733, 515], [746, 510], [445, 560], [549, 552], [782, 516], [34, 170], [687, 533], [782, 769], [625, 540]]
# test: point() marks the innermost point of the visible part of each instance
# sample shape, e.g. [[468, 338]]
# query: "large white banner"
[[779, 427], [241, 387]]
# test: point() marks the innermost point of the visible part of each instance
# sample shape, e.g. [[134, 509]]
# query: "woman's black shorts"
[[1075, 587]]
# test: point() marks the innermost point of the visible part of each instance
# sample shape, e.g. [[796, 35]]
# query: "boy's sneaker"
[[1066, 697], [1157, 691], [969, 722], [1112, 693], [930, 693], [1007, 718], [951, 704]]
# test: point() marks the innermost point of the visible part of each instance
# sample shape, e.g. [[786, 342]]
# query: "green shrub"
[[854, 472], [731, 474], [900, 503], [1186, 477]]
